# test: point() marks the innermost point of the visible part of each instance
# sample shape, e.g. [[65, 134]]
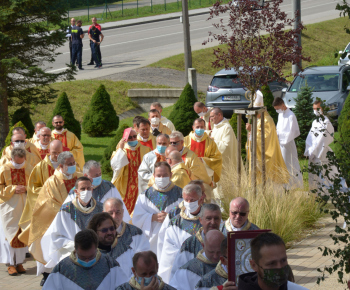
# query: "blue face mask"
[[148, 280], [161, 149], [199, 132], [71, 169], [97, 181], [133, 143], [86, 264]]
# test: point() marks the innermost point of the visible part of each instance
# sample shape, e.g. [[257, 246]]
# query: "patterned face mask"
[[276, 277]]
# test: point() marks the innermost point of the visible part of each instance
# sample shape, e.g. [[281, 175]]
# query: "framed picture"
[[239, 253]]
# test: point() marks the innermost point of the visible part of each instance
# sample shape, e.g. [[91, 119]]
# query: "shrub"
[[268, 100], [23, 115], [9, 135], [305, 115], [101, 118], [106, 157], [183, 114], [233, 123], [64, 109]]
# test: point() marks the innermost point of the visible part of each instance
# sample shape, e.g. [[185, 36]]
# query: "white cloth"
[[184, 280], [293, 286], [118, 161], [40, 268], [168, 123], [287, 130], [146, 170], [139, 243]]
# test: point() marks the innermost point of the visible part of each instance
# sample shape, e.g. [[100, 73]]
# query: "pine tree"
[[23, 115], [233, 123], [64, 109], [183, 114], [304, 113], [107, 154], [268, 100], [101, 118], [9, 135]]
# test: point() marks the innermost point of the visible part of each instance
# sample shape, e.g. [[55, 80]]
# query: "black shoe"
[[28, 255], [43, 280], [81, 68], [90, 63]]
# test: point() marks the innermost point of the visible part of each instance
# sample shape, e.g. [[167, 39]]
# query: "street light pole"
[[296, 7], [187, 39]]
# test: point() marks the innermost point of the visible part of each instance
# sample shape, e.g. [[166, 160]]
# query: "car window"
[[228, 81], [346, 79], [347, 49], [318, 82]]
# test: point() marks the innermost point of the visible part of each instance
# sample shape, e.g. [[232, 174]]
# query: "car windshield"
[[228, 81], [347, 49], [318, 82]]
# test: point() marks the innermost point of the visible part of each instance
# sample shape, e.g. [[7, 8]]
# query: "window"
[[228, 81], [318, 82]]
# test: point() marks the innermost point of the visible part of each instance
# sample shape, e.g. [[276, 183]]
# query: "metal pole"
[[137, 7], [177, 1], [263, 164], [254, 131], [151, 6], [239, 141], [296, 8], [88, 11], [187, 41], [164, 5], [106, 7], [122, 7]]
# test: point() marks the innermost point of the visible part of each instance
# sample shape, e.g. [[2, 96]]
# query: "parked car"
[[329, 83], [227, 93], [346, 59]]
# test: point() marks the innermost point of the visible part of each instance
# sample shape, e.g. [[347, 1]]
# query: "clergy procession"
[[158, 224]]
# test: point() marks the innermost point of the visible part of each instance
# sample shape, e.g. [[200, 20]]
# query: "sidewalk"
[[303, 257]]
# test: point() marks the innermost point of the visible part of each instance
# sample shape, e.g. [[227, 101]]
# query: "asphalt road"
[[136, 46]]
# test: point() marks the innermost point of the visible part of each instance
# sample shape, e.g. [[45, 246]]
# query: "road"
[[136, 46]]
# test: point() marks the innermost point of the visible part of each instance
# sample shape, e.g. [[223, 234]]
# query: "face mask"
[[276, 277], [161, 149], [97, 181], [147, 281], [86, 264], [199, 132], [133, 143], [16, 165], [317, 113], [201, 114], [85, 195], [162, 182], [155, 121], [279, 111], [71, 169], [191, 206], [19, 145]]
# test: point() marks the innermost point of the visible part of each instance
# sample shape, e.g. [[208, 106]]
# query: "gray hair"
[[90, 164], [18, 152], [197, 182], [192, 188], [40, 123], [209, 207], [44, 128], [113, 200], [61, 159], [157, 104], [164, 135], [177, 134]]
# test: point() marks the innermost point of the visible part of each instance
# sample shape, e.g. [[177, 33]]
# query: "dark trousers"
[[77, 53], [98, 51], [94, 49], [70, 52]]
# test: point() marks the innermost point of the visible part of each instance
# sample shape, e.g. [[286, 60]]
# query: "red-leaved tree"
[[257, 38]]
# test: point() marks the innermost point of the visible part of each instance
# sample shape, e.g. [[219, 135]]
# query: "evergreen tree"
[[304, 113], [107, 154], [183, 114], [23, 115], [26, 44], [101, 118], [64, 109], [268, 100], [9, 135], [233, 123]]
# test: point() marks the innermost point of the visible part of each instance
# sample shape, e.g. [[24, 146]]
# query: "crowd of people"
[[158, 223]]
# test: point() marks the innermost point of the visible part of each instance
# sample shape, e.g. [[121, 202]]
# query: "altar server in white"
[[287, 130], [180, 227], [102, 189], [206, 260], [86, 267], [130, 235], [153, 205], [74, 216], [146, 168]]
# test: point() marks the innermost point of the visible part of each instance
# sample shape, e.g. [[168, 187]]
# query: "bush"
[[305, 115], [101, 118], [268, 100], [107, 154], [64, 109], [9, 135], [183, 114], [233, 123], [23, 115]]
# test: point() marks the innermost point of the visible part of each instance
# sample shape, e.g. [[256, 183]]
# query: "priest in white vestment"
[[74, 216], [86, 268], [179, 228], [146, 168], [153, 205], [287, 130], [204, 113], [206, 260], [164, 120]]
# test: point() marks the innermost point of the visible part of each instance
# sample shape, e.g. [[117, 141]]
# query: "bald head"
[[174, 157], [17, 137], [45, 135], [212, 245], [169, 150], [56, 148], [216, 115], [239, 210]]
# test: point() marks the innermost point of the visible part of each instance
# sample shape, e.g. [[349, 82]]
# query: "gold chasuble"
[[12, 204], [71, 141], [127, 179], [206, 149], [33, 158], [276, 169], [151, 142], [162, 129], [48, 203], [43, 152]]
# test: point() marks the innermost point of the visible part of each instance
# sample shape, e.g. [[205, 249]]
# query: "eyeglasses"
[[132, 137], [46, 135], [239, 213], [105, 230], [174, 143], [59, 122], [19, 141]]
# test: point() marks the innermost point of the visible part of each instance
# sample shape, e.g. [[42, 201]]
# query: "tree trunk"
[[4, 112]]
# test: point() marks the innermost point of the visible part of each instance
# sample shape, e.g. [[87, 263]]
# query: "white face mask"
[[162, 182], [279, 111], [317, 112], [155, 121], [86, 195], [191, 206], [21, 145], [202, 114], [18, 166]]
